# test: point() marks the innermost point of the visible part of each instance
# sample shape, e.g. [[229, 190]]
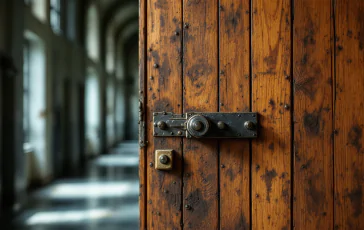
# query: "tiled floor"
[[106, 199]]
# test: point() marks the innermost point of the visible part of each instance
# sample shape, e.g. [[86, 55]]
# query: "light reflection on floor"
[[107, 199]]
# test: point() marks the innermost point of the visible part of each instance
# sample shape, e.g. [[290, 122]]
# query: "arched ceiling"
[[118, 14]]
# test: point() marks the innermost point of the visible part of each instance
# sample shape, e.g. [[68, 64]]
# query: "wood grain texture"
[[313, 122], [164, 93], [200, 65], [142, 99], [271, 91], [234, 93], [349, 115]]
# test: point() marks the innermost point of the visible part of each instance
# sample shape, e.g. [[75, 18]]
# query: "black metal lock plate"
[[206, 125]]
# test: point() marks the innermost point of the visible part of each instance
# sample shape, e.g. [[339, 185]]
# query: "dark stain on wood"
[[271, 146], [199, 206], [163, 105], [354, 137], [309, 39], [229, 173], [268, 178], [242, 224], [233, 19], [272, 104], [160, 4], [312, 122], [315, 198], [198, 70], [356, 198], [307, 86]]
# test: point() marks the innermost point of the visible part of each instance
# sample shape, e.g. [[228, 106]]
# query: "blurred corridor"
[[107, 198], [69, 114]]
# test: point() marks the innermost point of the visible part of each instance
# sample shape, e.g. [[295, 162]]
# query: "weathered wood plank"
[[271, 97], [313, 126], [142, 89], [234, 97], [349, 115], [164, 77], [200, 64]]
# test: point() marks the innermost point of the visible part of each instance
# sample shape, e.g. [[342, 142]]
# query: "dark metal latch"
[[205, 125]]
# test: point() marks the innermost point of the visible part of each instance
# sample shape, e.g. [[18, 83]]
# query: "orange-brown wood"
[[142, 88], [313, 126], [234, 95], [164, 93], [200, 65], [271, 91], [349, 115]]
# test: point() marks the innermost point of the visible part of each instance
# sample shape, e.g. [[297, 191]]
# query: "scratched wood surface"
[[313, 126], [200, 74], [271, 91], [349, 115], [234, 97], [305, 78], [164, 76]]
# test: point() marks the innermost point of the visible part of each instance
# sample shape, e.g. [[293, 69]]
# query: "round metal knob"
[[197, 125], [163, 159], [249, 125], [162, 125], [221, 125]]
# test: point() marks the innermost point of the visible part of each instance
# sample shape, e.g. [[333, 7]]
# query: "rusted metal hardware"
[[206, 125], [164, 159]]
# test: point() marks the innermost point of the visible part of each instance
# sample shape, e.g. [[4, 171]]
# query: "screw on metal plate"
[[164, 159]]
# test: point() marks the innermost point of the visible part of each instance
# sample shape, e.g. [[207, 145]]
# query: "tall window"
[[55, 14], [26, 92]]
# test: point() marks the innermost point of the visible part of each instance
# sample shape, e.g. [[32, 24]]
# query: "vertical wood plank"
[[313, 123], [164, 77], [349, 115], [271, 91], [142, 100], [200, 191], [234, 97]]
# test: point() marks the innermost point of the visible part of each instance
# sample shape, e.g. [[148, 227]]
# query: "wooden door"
[[299, 65]]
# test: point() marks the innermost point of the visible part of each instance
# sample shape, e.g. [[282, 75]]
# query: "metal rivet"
[[188, 207], [286, 106], [151, 164], [171, 133], [179, 133], [163, 159], [151, 77], [221, 125], [186, 25], [249, 125], [176, 33], [150, 49], [162, 125], [156, 65], [222, 166]]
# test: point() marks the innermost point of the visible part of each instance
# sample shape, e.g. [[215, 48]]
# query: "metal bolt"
[[221, 125], [150, 49], [222, 166], [151, 164], [179, 133], [171, 133], [249, 125], [176, 33], [162, 125], [151, 77], [156, 65], [186, 25], [286, 106], [188, 207], [197, 125], [163, 159]]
